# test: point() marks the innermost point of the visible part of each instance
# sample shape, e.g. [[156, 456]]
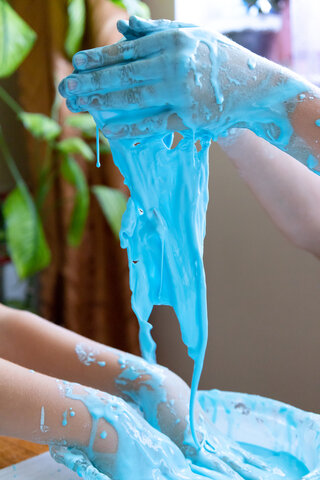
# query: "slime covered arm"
[[33, 408], [97, 435], [289, 193], [159, 394], [173, 77]]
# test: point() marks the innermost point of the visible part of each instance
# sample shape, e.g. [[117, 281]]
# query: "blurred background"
[[60, 216]]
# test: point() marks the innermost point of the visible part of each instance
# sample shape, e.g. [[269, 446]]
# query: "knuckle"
[[179, 39], [94, 101], [96, 79], [126, 73], [133, 96]]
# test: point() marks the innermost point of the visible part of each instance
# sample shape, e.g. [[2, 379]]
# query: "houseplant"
[[23, 208]]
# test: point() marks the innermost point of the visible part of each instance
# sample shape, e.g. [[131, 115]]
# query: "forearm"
[[42, 346], [289, 110], [272, 101], [289, 192], [37, 344], [34, 407]]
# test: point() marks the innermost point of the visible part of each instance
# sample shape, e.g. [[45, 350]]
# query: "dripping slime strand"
[[98, 164]]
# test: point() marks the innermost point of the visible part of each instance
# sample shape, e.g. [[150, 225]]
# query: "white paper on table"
[[41, 467]]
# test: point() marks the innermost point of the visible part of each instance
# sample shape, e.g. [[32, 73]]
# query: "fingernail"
[[72, 83], [79, 60], [62, 88], [82, 101], [72, 104]]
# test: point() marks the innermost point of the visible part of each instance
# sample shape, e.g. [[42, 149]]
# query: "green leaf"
[[83, 122], [76, 26], [142, 10], [40, 126], [16, 39], [119, 3], [134, 7], [75, 145], [73, 174], [24, 233], [113, 204]]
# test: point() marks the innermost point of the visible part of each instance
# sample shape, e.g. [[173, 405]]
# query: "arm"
[[93, 433], [180, 76], [289, 192], [161, 395], [235, 88], [37, 344], [23, 390]]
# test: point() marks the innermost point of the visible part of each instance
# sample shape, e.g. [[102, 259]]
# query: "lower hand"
[[163, 398], [122, 444]]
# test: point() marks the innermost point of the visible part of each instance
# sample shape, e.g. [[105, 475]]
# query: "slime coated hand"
[[163, 398], [174, 78], [122, 445]]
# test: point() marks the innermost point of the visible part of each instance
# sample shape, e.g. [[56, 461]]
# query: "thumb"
[[76, 460]]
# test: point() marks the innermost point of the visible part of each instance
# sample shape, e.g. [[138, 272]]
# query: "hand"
[[163, 398], [122, 444], [177, 78]]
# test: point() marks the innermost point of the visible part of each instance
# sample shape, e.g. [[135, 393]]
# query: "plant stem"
[[45, 179], [11, 163], [4, 95]]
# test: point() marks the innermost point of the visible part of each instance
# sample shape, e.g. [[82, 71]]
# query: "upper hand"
[[169, 77]]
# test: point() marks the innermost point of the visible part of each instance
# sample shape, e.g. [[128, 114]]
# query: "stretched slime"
[[163, 228]]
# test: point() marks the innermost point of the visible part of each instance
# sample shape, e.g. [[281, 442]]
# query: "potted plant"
[[23, 239]]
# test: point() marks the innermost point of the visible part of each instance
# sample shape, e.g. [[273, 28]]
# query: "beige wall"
[[161, 8]]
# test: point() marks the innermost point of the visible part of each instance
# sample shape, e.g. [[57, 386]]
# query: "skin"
[[35, 353], [154, 49], [30, 342], [54, 350], [286, 189]]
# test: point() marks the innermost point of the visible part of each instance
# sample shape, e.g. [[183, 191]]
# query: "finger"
[[124, 100], [125, 29], [72, 105], [214, 474], [115, 77], [138, 27], [161, 123], [118, 52], [77, 461]]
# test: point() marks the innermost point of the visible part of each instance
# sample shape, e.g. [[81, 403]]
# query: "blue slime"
[[163, 231], [163, 228]]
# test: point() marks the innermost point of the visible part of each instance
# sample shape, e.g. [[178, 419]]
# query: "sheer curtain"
[[226, 16], [305, 38]]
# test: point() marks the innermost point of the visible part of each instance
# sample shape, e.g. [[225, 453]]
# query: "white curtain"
[[305, 38], [224, 15]]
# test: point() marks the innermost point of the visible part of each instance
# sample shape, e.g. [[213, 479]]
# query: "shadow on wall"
[[263, 303]]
